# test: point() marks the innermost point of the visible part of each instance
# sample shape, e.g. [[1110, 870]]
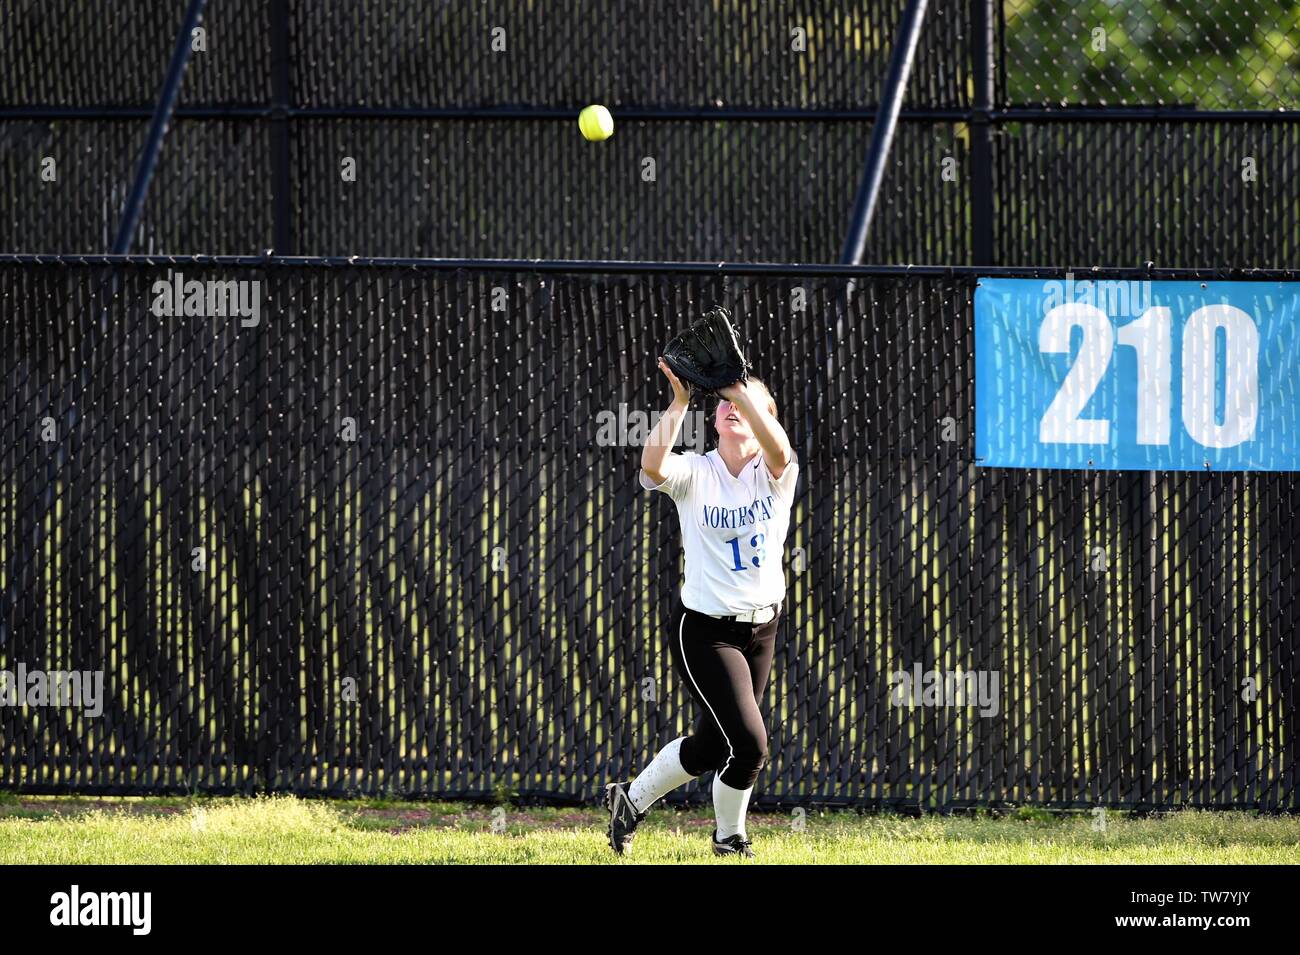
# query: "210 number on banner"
[[1140, 375]]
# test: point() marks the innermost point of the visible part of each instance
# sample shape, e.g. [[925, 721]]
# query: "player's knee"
[[751, 753], [699, 755], [744, 767]]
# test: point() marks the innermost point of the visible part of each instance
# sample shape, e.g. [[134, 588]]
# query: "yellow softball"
[[596, 123]]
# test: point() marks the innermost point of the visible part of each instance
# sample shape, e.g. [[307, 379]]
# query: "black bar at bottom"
[[1011, 903]]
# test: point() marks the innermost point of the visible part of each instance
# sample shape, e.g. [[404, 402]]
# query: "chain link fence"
[[379, 535], [1186, 54], [379, 531], [1116, 134]]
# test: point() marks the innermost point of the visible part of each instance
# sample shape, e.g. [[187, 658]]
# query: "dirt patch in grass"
[[76, 807], [411, 816], [396, 819]]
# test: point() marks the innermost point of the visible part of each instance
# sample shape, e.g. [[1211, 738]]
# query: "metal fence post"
[[882, 131], [158, 129]]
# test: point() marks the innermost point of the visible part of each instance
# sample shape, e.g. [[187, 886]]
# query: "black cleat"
[[623, 817], [735, 845]]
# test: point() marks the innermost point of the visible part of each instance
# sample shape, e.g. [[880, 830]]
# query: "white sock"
[[662, 776], [729, 807]]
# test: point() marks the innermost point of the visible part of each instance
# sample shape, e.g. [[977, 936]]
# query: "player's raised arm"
[[757, 411], [662, 437]]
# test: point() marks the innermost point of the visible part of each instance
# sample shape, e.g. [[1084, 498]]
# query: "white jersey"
[[733, 529]]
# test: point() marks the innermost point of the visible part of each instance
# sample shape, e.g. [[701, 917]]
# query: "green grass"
[[288, 830]]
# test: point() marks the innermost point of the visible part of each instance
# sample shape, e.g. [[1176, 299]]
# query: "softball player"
[[733, 506]]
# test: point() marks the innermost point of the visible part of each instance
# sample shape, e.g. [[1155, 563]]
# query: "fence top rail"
[[619, 267]]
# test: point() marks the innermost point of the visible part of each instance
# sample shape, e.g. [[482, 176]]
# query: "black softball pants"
[[725, 665]]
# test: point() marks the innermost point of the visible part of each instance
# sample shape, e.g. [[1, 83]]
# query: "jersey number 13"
[[756, 545]]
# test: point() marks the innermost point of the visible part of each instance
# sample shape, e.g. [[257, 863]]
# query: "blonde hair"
[[771, 398]]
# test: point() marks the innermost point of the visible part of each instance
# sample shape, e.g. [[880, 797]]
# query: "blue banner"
[[1137, 375]]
